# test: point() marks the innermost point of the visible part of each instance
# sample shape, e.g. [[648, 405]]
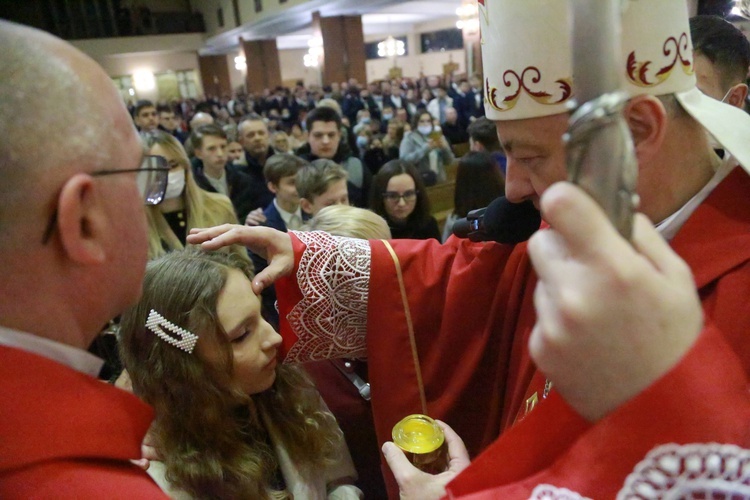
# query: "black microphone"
[[501, 221]]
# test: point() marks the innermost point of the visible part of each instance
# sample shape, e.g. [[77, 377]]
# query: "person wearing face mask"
[[386, 116], [363, 140], [722, 57], [427, 148], [363, 121], [185, 205]]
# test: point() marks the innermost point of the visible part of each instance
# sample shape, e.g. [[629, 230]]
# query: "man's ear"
[[306, 206], [737, 95], [81, 220], [647, 119], [271, 187]]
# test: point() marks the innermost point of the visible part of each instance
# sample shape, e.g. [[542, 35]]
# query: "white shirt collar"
[[293, 220], [669, 227], [219, 184], [70, 356]]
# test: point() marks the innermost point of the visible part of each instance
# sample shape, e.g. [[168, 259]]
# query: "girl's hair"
[[352, 222], [478, 182], [210, 433], [204, 209], [380, 184]]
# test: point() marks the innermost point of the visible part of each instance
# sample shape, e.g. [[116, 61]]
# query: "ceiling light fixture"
[[314, 52], [390, 47], [240, 63], [468, 19]]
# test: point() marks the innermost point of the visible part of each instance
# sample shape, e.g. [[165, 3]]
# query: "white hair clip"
[[158, 323]]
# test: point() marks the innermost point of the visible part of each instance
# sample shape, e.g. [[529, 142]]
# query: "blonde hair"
[[211, 435], [203, 209], [352, 222]]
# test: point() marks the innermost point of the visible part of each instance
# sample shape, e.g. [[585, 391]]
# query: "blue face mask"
[[362, 141], [387, 116], [365, 120]]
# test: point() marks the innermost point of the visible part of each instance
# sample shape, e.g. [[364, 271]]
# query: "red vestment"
[[472, 312], [67, 435]]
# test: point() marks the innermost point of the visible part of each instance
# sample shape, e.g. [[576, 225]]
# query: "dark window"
[[220, 17], [439, 41], [371, 49], [282, 1], [258, 5], [236, 6]]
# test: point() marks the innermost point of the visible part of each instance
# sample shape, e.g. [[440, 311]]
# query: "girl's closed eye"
[[245, 333]]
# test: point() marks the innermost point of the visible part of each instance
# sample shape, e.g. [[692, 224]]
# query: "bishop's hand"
[[272, 245], [611, 317]]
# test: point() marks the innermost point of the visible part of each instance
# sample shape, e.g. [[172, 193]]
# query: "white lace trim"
[[549, 492], [334, 278], [690, 471], [672, 471]]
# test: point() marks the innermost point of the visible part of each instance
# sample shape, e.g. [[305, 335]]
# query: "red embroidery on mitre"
[[529, 78], [637, 71], [331, 319]]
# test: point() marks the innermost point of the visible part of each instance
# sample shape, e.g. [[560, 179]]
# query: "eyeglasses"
[[394, 197], [151, 179]]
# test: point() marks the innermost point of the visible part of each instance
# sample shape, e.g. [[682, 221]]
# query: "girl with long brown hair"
[[229, 422]]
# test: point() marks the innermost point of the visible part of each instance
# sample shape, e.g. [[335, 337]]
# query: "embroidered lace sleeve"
[[331, 319], [691, 471], [678, 471], [548, 492]]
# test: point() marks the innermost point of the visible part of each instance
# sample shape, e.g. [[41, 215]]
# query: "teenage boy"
[[325, 142], [145, 116], [284, 211], [321, 184], [212, 171]]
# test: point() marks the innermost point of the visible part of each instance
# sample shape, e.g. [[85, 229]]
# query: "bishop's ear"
[[81, 220], [647, 118]]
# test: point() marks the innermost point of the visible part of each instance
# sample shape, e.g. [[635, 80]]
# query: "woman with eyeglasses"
[[398, 195], [185, 205]]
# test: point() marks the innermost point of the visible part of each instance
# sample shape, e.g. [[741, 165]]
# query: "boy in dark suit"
[[284, 211]]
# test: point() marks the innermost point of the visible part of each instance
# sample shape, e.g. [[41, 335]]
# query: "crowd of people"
[[324, 305], [375, 117], [228, 152]]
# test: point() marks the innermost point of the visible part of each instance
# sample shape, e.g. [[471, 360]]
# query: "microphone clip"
[[472, 226]]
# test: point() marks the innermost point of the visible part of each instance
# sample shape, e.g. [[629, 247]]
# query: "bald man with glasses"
[[72, 257]]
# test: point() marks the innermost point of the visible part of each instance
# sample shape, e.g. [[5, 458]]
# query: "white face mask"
[[424, 129], [175, 184], [711, 139]]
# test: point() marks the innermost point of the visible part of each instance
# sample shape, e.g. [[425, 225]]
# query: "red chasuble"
[[455, 319], [64, 434]]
